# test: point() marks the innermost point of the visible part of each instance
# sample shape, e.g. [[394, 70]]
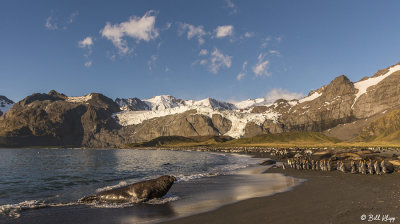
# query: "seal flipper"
[[145, 195]]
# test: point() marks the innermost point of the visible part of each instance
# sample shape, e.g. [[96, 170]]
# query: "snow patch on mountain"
[[163, 102], [239, 118], [311, 97], [79, 99], [362, 86], [132, 104], [126, 118], [5, 104], [252, 102], [213, 103], [293, 102], [159, 106]]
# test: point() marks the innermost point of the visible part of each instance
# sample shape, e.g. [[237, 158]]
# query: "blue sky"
[[229, 50]]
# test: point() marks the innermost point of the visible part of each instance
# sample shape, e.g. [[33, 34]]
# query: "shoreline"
[[194, 196], [325, 197]]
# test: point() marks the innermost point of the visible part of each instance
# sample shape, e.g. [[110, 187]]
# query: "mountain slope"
[[5, 104], [54, 119], [385, 129], [342, 109]]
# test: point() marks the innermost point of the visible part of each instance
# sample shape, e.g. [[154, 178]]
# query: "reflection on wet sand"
[[210, 193]]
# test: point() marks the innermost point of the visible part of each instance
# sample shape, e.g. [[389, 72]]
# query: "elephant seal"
[[141, 191]]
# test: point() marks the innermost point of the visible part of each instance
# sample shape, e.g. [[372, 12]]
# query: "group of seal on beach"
[[141, 191], [362, 166]]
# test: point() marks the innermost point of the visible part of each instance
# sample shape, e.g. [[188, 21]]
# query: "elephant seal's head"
[[168, 178]]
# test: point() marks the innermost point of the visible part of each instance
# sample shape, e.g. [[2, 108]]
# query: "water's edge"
[[189, 196]]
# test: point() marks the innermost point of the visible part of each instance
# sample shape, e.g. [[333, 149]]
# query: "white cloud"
[[240, 76], [224, 31], [218, 60], [244, 71], [51, 24], [167, 26], [193, 31], [265, 42], [138, 28], [244, 65], [261, 68], [232, 6], [166, 69], [278, 39], [203, 61], [86, 43], [278, 93], [275, 52], [88, 64], [71, 18], [248, 34], [152, 61], [203, 52]]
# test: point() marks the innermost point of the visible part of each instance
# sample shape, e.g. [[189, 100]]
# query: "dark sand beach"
[[326, 197]]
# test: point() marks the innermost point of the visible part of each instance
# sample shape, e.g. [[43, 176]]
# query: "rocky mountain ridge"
[[340, 109], [5, 104]]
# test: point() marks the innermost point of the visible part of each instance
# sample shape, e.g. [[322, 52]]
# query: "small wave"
[[163, 200], [133, 202], [13, 210], [218, 171], [184, 178]]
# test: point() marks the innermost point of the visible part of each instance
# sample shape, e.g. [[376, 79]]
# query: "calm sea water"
[[35, 178]]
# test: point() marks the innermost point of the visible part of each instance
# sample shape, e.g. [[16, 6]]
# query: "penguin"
[[342, 167], [383, 166], [353, 167], [309, 166], [329, 166], [313, 164], [283, 166], [360, 166], [339, 165], [363, 168], [370, 167], [377, 168]]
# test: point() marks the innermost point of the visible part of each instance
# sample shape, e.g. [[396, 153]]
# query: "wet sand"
[[195, 196], [326, 197]]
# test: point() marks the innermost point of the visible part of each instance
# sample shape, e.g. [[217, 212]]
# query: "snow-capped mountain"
[[211, 103], [340, 109], [132, 104], [252, 102], [163, 102], [339, 102], [165, 105], [5, 104]]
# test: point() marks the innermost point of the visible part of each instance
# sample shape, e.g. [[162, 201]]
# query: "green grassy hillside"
[[300, 138], [174, 141], [290, 138]]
